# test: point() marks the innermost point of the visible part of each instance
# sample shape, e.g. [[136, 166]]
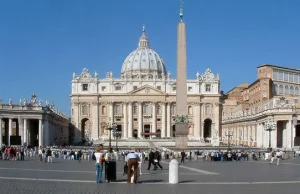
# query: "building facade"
[[248, 110], [142, 101], [32, 124]]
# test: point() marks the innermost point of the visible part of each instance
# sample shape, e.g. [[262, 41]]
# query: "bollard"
[[173, 171]]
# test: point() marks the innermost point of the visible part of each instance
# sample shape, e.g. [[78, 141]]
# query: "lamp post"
[[270, 126], [229, 134]]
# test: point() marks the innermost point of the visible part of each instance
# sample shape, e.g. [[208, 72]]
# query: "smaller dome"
[[143, 62]]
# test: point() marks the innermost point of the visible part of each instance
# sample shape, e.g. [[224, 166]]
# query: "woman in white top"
[[99, 155]]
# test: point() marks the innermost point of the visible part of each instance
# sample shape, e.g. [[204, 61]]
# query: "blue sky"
[[43, 41]]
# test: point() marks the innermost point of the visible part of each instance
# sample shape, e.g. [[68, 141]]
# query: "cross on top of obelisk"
[[181, 10]]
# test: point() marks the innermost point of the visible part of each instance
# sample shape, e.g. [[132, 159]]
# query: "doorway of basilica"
[[207, 130], [135, 133], [85, 130], [146, 130], [297, 135]]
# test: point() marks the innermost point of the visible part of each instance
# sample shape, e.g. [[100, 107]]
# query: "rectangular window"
[[295, 101], [158, 87], [286, 76], [291, 77], [275, 75], [174, 89], [190, 89], [85, 87], [134, 87], [207, 87], [118, 88], [280, 76], [103, 88]]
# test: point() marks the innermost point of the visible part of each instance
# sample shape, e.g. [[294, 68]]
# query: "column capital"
[[95, 103], [130, 102], [162, 103], [76, 103]]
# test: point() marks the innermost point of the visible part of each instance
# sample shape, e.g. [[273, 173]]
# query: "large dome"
[[143, 62]]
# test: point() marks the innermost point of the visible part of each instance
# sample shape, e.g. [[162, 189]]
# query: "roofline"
[[276, 66]]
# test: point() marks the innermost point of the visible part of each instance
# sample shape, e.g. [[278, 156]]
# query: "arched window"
[[190, 110], [207, 109], [85, 109], [292, 90], [146, 109], [296, 91], [286, 90], [280, 89], [103, 110], [174, 109], [158, 110]]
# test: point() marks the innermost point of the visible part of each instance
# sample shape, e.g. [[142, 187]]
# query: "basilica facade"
[[141, 102]]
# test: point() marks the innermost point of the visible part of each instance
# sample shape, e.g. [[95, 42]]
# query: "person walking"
[[49, 155], [182, 153], [22, 152], [151, 160], [132, 161], [157, 158], [99, 156], [140, 161], [278, 156], [272, 157]]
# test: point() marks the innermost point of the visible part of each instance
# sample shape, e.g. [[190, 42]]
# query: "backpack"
[[272, 154], [93, 156]]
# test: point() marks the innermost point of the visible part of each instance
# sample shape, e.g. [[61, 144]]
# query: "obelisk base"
[[181, 140]]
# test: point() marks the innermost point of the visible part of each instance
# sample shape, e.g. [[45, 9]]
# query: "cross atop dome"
[[143, 42]]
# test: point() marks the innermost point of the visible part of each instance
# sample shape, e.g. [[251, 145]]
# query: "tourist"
[[272, 157], [151, 160], [132, 161], [140, 161], [157, 158], [278, 156], [99, 155]]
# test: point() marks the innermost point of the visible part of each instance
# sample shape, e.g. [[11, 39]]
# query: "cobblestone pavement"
[[63, 176]]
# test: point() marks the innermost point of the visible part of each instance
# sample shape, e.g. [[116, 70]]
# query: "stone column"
[[163, 120], [1, 132], [154, 117], [288, 129], [40, 133], [111, 112], [95, 132], [125, 117], [9, 130], [46, 132], [197, 120], [21, 130], [169, 119], [140, 129], [130, 120]]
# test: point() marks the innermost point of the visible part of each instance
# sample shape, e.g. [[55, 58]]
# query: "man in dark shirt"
[[157, 158], [182, 156], [151, 160]]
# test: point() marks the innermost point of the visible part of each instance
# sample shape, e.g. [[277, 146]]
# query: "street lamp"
[[116, 135], [270, 126], [229, 134]]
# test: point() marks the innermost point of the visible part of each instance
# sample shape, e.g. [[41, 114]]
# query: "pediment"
[[147, 90]]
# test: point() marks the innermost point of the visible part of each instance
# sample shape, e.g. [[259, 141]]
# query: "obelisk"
[[181, 122]]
